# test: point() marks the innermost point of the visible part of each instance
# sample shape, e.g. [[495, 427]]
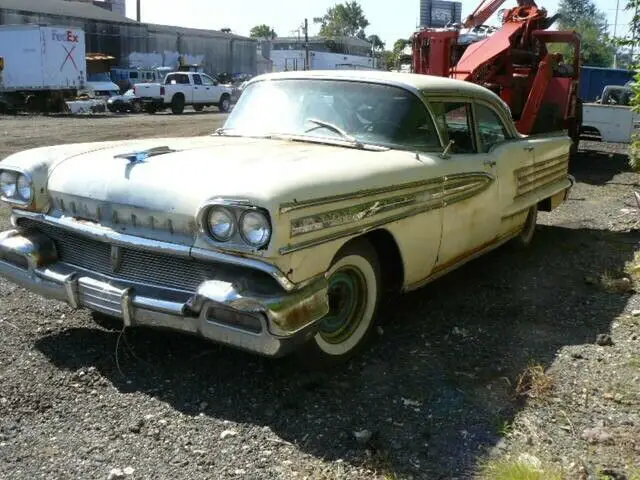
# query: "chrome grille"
[[137, 266]]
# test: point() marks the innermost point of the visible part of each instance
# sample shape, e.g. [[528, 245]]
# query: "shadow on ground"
[[435, 387], [596, 166]]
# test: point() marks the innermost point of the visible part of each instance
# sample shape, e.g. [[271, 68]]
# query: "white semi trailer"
[[40, 66]]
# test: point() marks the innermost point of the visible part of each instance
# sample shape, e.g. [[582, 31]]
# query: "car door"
[[199, 92], [513, 156], [212, 89], [470, 219]]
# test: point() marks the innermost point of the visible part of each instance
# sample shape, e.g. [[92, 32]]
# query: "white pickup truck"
[[610, 118], [179, 89]]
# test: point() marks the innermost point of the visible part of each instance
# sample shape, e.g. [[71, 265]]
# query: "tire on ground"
[[225, 103], [177, 104], [354, 298]]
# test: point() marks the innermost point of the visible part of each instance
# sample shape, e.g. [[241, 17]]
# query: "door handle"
[[490, 163], [529, 149]]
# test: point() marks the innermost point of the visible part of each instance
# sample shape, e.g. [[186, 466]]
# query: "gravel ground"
[[437, 391]]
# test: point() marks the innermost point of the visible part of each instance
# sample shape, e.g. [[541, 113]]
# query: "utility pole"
[[138, 15], [306, 45], [615, 26]]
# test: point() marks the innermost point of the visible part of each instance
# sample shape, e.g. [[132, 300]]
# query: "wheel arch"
[[389, 257]]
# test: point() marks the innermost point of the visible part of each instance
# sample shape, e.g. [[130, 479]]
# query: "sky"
[[390, 20]]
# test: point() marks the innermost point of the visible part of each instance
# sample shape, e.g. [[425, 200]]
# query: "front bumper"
[[224, 312]]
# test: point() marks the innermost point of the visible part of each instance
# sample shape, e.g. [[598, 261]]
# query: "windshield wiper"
[[335, 128]]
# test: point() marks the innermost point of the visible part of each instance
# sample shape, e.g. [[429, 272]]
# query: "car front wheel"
[[354, 297]]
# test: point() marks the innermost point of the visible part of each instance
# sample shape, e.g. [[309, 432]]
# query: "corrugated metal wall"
[[136, 43]]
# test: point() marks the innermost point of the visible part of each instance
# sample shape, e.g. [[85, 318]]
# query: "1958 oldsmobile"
[[282, 231]]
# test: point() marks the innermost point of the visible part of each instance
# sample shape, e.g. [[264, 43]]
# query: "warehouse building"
[[288, 53], [134, 44]]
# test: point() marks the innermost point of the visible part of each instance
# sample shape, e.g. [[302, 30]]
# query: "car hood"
[[162, 194]]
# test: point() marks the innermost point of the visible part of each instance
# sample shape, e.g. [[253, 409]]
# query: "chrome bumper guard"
[[220, 311]]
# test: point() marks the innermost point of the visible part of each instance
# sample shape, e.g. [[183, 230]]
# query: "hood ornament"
[[141, 156]]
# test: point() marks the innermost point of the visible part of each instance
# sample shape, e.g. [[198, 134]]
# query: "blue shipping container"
[[594, 79]]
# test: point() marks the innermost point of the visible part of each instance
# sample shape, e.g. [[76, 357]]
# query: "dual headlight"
[[15, 187], [224, 224]]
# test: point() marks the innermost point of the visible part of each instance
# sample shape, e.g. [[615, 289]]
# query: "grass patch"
[[534, 383], [616, 283], [381, 463], [634, 362], [515, 470], [633, 267]]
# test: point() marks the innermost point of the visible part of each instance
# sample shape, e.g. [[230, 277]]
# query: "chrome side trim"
[[357, 213], [533, 177], [359, 229], [315, 202], [107, 235], [456, 188]]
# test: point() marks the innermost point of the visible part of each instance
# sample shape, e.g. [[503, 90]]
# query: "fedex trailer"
[[41, 66]]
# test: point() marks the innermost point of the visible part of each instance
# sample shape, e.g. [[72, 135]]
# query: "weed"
[[616, 283], [534, 382], [381, 463], [634, 361], [514, 470]]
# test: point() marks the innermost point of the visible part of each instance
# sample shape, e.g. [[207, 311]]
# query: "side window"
[[454, 120], [492, 130], [170, 80], [207, 81], [197, 80]]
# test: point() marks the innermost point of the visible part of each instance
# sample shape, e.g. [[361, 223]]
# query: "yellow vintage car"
[[281, 232]]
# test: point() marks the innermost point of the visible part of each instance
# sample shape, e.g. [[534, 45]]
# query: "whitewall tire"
[[354, 297]]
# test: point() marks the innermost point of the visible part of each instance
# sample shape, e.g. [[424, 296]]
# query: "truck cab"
[[184, 88]]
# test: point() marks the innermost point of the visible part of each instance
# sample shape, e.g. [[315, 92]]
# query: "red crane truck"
[[516, 62]]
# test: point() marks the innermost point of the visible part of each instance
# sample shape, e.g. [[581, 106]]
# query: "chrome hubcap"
[[347, 299]]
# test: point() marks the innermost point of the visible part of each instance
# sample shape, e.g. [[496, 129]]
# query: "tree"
[[632, 41], [343, 20], [583, 16], [573, 11], [400, 44], [389, 59], [263, 31], [376, 42]]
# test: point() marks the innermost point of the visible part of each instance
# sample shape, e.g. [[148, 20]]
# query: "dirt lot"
[[495, 363]]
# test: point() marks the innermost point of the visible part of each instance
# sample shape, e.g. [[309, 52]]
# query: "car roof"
[[411, 81]]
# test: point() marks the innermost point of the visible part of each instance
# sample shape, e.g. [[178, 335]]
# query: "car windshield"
[[362, 112]]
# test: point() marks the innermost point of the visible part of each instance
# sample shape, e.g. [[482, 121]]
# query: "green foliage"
[[513, 470], [634, 150], [400, 44], [388, 59], [573, 11], [263, 31], [343, 20], [377, 43], [634, 42], [597, 49]]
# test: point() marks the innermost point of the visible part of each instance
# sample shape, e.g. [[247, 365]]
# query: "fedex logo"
[[67, 36]]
